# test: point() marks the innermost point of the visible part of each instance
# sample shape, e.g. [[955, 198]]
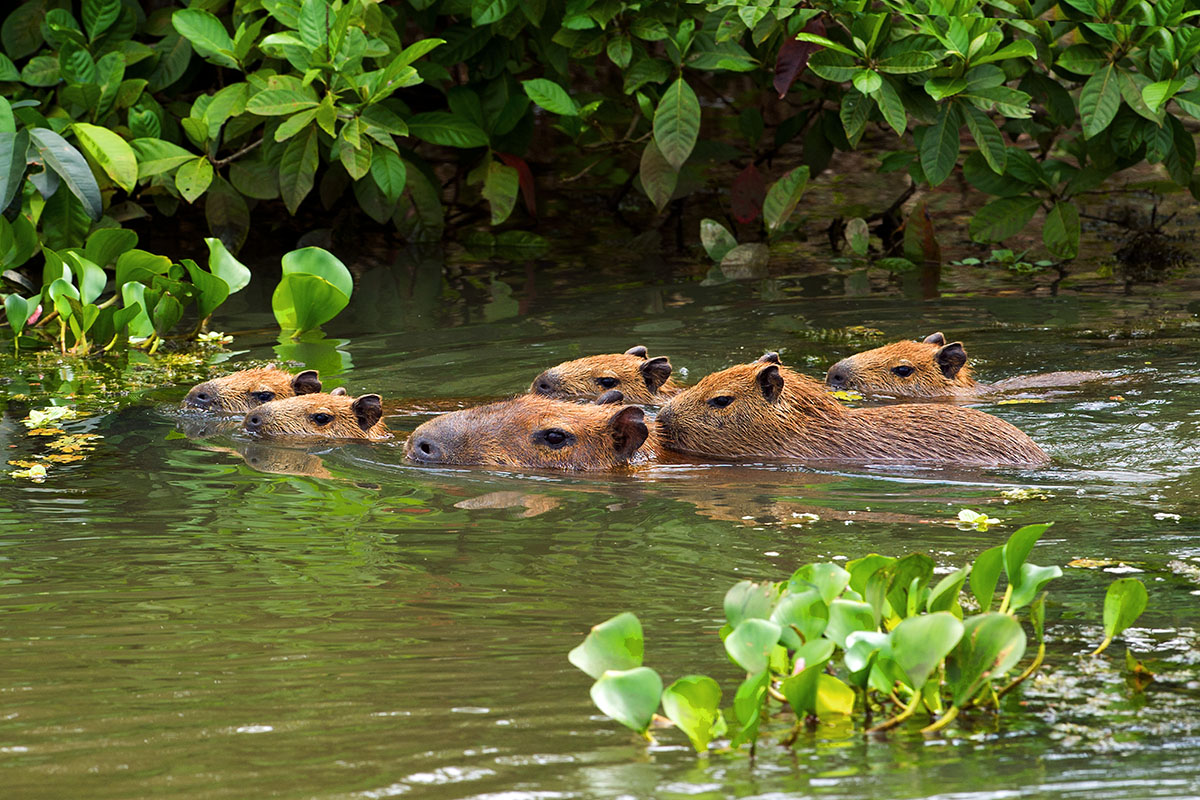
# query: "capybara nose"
[[202, 400], [423, 448], [544, 385], [836, 378], [253, 422]]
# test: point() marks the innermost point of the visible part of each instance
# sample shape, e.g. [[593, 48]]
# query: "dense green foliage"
[[874, 635], [429, 111]]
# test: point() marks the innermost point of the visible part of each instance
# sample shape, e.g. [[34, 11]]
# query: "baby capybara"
[[239, 392], [633, 373], [765, 410], [536, 432], [931, 368], [322, 416]]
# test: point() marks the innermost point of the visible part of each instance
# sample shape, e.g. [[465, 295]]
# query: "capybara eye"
[[322, 419], [720, 401], [554, 438], [608, 383], [904, 370], [264, 397]]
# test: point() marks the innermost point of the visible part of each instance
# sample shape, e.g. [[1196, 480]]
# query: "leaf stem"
[[1037, 662], [1007, 599], [945, 720], [1103, 646], [908, 711]]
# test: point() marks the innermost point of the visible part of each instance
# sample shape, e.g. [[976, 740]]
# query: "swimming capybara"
[[932, 368], [239, 392], [537, 432], [326, 416], [765, 410], [640, 378]]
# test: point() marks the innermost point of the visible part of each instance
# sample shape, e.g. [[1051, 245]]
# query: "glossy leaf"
[[222, 264], [13, 147], [1002, 218], [156, 156], [1030, 581], [1124, 602], [716, 238], [751, 642], [939, 145], [320, 262], [193, 178], [847, 617], [987, 137], [833, 696], [1099, 100], [918, 644], [802, 615], [1061, 230], [658, 177], [449, 130], [207, 35], [551, 97], [106, 245], [783, 197], [991, 645], [212, 290], [111, 152], [677, 123], [1018, 547], [304, 302], [828, 579], [18, 310], [500, 187], [629, 696], [693, 703], [297, 168], [71, 168], [985, 574], [99, 15]]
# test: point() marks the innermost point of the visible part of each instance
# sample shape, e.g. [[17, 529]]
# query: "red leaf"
[[749, 191], [793, 57], [524, 177]]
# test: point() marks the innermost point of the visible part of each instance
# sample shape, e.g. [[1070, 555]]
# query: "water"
[[178, 622]]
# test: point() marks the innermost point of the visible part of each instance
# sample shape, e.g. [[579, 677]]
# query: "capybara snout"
[[239, 392], [640, 378], [928, 368], [335, 415]]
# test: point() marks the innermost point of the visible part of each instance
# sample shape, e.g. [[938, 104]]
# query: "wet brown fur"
[[239, 392], [777, 413], [514, 433], [940, 369], [304, 417], [640, 378]]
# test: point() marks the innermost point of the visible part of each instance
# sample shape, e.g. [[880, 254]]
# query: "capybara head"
[[320, 416], [640, 378], [534, 432], [744, 410], [239, 392], [929, 368]]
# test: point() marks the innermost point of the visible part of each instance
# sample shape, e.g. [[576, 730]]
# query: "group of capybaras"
[[587, 414]]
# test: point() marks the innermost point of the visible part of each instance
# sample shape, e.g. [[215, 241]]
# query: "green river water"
[[178, 621]]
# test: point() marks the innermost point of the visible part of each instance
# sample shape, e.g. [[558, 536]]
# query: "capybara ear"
[[769, 358], [655, 372], [611, 396], [951, 358], [307, 382], [368, 409], [339, 391], [638, 350], [771, 382], [629, 431], [938, 338]]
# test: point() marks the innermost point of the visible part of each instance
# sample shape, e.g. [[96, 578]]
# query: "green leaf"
[[356, 160], [449, 130], [41, 71], [918, 644], [111, 152], [156, 156], [13, 147], [891, 107], [783, 197], [944, 596], [304, 302], [1029, 582], [138, 265], [1124, 602], [294, 124], [485, 12], [167, 313], [985, 574], [389, 174], [847, 617], [867, 81], [748, 600], [280, 102], [658, 177], [939, 145], [222, 264], [833, 696], [991, 645], [987, 136], [212, 290], [193, 178], [1061, 230], [99, 15], [801, 689], [615, 644], [1019, 546], [70, 166], [629, 696], [207, 35], [1082, 59], [620, 52], [1002, 218], [105, 246], [21, 32], [313, 22], [693, 703], [750, 644], [908, 63], [322, 263], [716, 238], [801, 614], [297, 168], [1099, 100], [677, 123], [90, 277], [550, 96], [805, 36], [1021, 48], [828, 579], [500, 187], [18, 310]]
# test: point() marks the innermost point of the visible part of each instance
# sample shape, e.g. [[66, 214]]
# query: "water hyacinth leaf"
[[658, 177], [1002, 218], [1099, 100], [677, 123], [212, 290], [782, 198], [207, 35], [71, 167], [918, 644], [751, 642], [550, 96], [693, 703], [194, 178], [991, 645], [944, 596], [1061, 231], [18, 310], [133, 295], [628, 696], [320, 262], [829, 580], [847, 617], [57, 292], [833, 696], [747, 707], [1124, 602], [111, 152], [801, 690], [748, 600], [138, 265], [716, 238], [985, 574], [802, 616], [861, 569], [615, 644], [90, 276], [106, 245], [167, 313], [862, 649], [1030, 581], [1019, 546], [304, 302]]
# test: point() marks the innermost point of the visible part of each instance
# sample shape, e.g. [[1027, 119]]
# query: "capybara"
[[932, 368], [765, 410], [537, 432], [640, 378], [326, 416], [239, 392]]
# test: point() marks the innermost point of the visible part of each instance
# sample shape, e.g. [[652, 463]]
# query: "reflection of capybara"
[[931, 368], [239, 392], [536, 432], [326, 416], [766, 410], [633, 373]]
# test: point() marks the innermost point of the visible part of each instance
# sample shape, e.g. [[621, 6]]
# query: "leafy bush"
[[875, 635]]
